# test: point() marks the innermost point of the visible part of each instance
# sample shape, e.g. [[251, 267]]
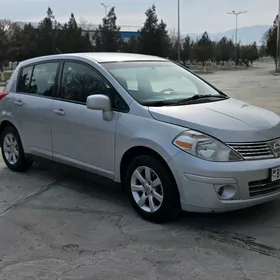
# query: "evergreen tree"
[[71, 38], [203, 49], [224, 50], [131, 46], [164, 42], [47, 32], [271, 40], [107, 37], [249, 54], [28, 42], [154, 39], [187, 48]]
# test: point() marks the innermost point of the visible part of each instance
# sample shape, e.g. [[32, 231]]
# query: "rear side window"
[[24, 79], [43, 79]]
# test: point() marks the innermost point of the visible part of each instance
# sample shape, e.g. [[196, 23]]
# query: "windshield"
[[158, 81]]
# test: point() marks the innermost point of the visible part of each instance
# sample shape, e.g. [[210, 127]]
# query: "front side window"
[[43, 78], [24, 79], [158, 81], [80, 80]]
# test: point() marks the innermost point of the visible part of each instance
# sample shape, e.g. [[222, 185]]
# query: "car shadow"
[[83, 182], [253, 216], [87, 183]]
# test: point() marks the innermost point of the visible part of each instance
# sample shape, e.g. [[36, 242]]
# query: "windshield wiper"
[[201, 96], [160, 103], [170, 102]]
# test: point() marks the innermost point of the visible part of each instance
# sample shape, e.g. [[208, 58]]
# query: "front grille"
[[264, 187], [252, 151]]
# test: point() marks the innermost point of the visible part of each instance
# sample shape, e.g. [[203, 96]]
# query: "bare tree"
[[7, 28], [173, 36], [83, 23]]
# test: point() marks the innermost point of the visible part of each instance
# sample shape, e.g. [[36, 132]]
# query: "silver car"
[[174, 141]]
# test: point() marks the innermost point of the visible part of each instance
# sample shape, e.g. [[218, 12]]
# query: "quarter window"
[[43, 78], [24, 79]]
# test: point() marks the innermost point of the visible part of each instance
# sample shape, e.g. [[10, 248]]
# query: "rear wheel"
[[152, 189], [12, 150]]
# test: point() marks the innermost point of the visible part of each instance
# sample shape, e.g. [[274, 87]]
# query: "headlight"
[[205, 147]]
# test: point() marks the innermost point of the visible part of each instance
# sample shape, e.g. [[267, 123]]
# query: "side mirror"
[[99, 102], [102, 103]]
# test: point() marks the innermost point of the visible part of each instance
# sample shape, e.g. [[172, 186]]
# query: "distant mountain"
[[246, 35]]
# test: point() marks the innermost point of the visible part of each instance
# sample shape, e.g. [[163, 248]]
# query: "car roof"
[[99, 57], [118, 57]]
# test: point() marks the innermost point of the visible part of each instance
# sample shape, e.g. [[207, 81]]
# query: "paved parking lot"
[[256, 86], [61, 223]]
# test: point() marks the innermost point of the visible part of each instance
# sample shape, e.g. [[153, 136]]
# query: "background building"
[[126, 31]]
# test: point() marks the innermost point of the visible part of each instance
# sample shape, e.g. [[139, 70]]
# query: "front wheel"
[[12, 150], [152, 189]]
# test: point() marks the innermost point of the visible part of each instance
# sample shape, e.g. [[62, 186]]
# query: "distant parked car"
[[173, 140]]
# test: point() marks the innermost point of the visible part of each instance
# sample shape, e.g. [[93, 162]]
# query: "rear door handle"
[[59, 112], [18, 103]]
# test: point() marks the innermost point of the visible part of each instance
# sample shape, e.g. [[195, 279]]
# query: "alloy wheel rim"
[[11, 149], [147, 189]]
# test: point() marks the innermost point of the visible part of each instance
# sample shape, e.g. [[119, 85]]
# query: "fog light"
[[221, 191], [226, 192]]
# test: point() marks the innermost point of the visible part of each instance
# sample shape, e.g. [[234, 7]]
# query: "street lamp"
[[179, 35], [105, 7], [236, 27]]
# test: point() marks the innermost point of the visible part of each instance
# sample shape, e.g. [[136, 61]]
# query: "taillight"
[[3, 94]]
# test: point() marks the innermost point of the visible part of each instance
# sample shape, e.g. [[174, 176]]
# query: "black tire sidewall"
[[22, 163], [171, 206]]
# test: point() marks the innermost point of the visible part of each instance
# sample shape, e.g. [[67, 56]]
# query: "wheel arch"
[[6, 123], [135, 151]]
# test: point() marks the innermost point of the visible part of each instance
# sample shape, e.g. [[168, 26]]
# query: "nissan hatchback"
[[174, 141]]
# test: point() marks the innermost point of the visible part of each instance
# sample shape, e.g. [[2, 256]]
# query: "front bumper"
[[198, 181]]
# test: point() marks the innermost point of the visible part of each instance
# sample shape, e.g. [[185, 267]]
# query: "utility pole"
[[278, 43], [105, 7], [236, 31], [179, 33]]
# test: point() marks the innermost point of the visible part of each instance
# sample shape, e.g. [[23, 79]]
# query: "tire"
[[162, 199], [19, 163]]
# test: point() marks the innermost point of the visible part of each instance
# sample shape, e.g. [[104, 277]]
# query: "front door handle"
[[18, 103], [59, 112]]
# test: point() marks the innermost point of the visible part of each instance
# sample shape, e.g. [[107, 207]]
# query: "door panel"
[[32, 107], [33, 118], [82, 138]]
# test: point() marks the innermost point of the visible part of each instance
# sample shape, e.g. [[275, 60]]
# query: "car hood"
[[229, 120]]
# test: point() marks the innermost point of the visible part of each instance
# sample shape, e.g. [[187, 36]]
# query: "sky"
[[196, 15]]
